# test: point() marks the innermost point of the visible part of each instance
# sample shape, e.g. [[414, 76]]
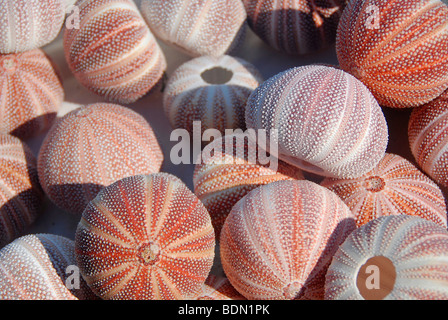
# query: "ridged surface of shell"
[[278, 241], [396, 48], [428, 138], [295, 27], [92, 147], [326, 121], [198, 28], [233, 171], [417, 248], [219, 288], [33, 267], [20, 192], [113, 53], [394, 187], [29, 24], [189, 97], [146, 237], [31, 93]]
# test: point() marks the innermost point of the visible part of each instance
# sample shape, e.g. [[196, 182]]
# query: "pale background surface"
[[267, 60]]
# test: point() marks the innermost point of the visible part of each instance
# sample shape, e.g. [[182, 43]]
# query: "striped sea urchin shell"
[[30, 93], [219, 103], [113, 53], [428, 138], [92, 147], [278, 241], [395, 186], [295, 27], [145, 237], [197, 28], [34, 267], [20, 192], [396, 48], [219, 288], [233, 171], [415, 250], [324, 121], [29, 24]]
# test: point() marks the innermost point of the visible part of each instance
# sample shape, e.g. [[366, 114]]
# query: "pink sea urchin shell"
[[277, 242], [20, 192], [416, 251], [92, 147], [428, 138], [327, 122], [145, 237], [234, 170], [31, 93], [395, 186], [295, 27], [198, 28], [34, 267], [29, 24], [219, 103], [396, 48], [113, 53]]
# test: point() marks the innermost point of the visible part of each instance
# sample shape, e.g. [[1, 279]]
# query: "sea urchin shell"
[[145, 237], [92, 147], [278, 241]]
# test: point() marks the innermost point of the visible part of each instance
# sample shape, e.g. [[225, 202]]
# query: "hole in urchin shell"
[[149, 253], [292, 290], [376, 278], [374, 184], [217, 75]]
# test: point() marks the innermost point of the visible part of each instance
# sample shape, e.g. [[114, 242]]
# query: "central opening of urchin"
[[217, 75], [149, 253], [292, 290], [374, 184], [9, 63], [376, 278]]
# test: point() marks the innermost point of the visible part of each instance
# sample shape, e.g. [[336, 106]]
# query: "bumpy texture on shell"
[[198, 28], [145, 237], [34, 267], [29, 24], [418, 249], [295, 27], [327, 121], [189, 97], [233, 171], [278, 241], [428, 138], [396, 48], [20, 192], [395, 186], [92, 147], [31, 93], [219, 288], [113, 53]]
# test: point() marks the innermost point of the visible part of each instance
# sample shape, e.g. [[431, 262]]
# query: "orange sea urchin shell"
[[295, 27], [326, 121], [428, 138], [396, 48], [219, 103], [277, 242], [411, 262], [234, 170], [20, 193], [29, 24], [145, 237], [92, 147], [113, 53], [395, 186], [34, 267], [30, 93], [198, 28]]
